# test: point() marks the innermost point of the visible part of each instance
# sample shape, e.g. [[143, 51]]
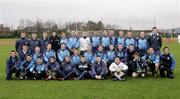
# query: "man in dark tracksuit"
[[130, 53], [21, 41], [139, 66], [55, 41], [99, 69], [43, 42], [33, 42], [67, 69], [167, 63], [25, 66], [12, 66], [82, 70], [155, 41], [52, 68], [24, 52]]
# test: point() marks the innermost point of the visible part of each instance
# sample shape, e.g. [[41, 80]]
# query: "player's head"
[[28, 58], [39, 60], [45, 34], [129, 34], [34, 35], [76, 51], [111, 47], [142, 34], [52, 59], [121, 33], [24, 47], [100, 48], [83, 59], [120, 47], [49, 46], [131, 47], [89, 48], [166, 50], [63, 46], [136, 56], [54, 34], [150, 50], [154, 29], [67, 58], [23, 35], [13, 53], [37, 49], [98, 59], [117, 60]]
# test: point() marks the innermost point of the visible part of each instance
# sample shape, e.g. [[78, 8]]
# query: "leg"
[[91, 74], [69, 74], [170, 74], [82, 75], [162, 71], [134, 74]]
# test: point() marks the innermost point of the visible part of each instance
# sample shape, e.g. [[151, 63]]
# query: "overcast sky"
[[140, 14]]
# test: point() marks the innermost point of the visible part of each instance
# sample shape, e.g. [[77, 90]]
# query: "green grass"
[[148, 88]]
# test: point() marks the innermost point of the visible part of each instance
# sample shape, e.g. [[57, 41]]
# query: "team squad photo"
[[96, 57]]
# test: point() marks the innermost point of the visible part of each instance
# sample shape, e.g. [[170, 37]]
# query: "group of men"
[[95, 57]]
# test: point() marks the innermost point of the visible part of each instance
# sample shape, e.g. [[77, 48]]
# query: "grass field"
[[147, 88]]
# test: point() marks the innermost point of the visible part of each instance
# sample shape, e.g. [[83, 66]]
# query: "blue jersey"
[[129, 41], [89, 57], [62, 53], [73, 42], [35, 55], [142, 43], [95, 41], [37, 68], [151, 57], [75, 59], [102, 55], [64, 40], [120, 40], [105, 41], [111, 56], [113, 40], [47, 54]]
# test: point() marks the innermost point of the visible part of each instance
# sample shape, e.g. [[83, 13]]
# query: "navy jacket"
[[52, 66], [11, 63], [20, 42], [99, 69]]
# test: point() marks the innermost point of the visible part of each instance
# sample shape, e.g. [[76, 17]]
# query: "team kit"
[[95, 57]]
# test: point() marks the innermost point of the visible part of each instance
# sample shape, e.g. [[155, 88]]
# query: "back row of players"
[[59, 58]]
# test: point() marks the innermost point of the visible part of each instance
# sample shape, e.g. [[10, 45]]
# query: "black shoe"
[[115, 79], [122, 79]]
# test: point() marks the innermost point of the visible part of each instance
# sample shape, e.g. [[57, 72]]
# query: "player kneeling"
[[167, 64], [98, 70], [118, 69], [37, 70], [139, 66], [12, 66], [25, 67], [82, 69], [52, 68]]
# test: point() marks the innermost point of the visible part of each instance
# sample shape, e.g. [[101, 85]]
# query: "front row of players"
[[99, 69]]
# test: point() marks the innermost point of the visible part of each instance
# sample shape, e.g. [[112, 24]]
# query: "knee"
[[134, 75]]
